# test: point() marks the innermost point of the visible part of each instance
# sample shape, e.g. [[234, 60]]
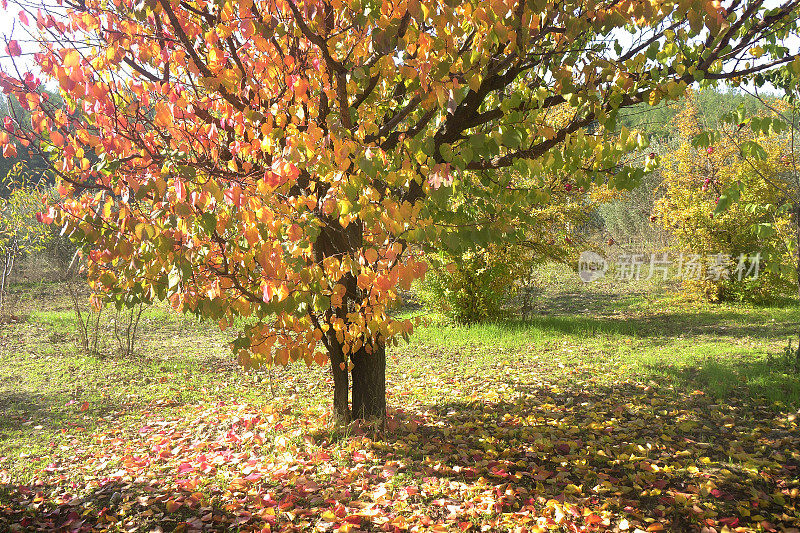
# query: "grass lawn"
[[605, 411]]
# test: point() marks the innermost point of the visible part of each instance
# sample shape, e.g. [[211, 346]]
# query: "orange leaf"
[[268, 293], [56, 138], [593, 519], [370, 255], [173, 506], [383, 283]]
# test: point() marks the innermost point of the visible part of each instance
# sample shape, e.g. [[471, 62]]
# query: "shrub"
[[473, 286]]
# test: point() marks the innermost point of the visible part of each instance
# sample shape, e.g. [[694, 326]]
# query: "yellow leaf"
[[72, 59], [474, 82]]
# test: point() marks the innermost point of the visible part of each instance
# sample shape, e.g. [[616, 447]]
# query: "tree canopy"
[[278, 159]]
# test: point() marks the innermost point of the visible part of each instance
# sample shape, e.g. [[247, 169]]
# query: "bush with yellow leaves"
[[697, 181]]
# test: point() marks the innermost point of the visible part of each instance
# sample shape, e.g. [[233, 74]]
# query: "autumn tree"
[[278, 159], [765, 142], [716, 234]]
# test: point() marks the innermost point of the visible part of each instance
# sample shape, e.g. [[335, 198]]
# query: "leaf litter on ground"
[[492, 453]]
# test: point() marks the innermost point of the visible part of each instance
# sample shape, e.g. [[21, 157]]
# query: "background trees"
[[21, 228], [628, 218], [276, 159]]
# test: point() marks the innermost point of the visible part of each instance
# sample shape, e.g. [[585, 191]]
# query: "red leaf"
[[233, 196], [353, 519], [13, 48], [185, 467]]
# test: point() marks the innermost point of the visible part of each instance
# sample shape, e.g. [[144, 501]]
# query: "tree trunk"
[[369, 383], [8, 265], [2, 284], [369, 369], [341, 407]]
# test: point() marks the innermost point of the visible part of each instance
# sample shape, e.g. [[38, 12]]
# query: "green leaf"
[[764, 230], [446, 151], [728, 197], [208, 222], [701, 140], [754, 150], [512, 138]]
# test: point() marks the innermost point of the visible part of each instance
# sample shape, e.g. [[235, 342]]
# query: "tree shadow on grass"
[[505, 454], [625, 314], [773, 378], [584, 302], [586, 455], [32, 412], [19, 408], [663, 325]]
